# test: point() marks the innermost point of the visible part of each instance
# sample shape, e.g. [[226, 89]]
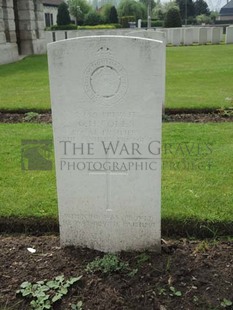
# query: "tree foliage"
[[105, 12], [203, 19], [161, 9], [173, 18], [214, 15], [201, 7], [132, 8], [113, 16], [152, 3], [79, 8], [158, 12], [93, 18], [63, 16], [190, 8]]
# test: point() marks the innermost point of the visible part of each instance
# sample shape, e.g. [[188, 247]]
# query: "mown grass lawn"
[[196, 182], [25, 84], [199, 76], [196, 77]]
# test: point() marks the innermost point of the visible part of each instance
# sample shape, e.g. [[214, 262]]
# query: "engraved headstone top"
[[107, 94]]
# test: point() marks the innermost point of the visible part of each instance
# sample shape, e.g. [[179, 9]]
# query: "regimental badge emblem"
[[105, 81]]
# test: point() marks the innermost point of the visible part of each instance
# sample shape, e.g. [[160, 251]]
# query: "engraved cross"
[[110, 175]]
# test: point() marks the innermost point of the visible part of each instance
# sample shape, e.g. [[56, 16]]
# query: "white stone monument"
[[106, 94], [176, 36], [216, 35], [154, 35], [202, 35], [188, 36], [229, 35], [196, 34], [139, 23]]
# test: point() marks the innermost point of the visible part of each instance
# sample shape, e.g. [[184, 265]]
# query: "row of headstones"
[[200, 35], [174, 36]]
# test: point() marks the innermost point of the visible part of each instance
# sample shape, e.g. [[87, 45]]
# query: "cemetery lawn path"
[[189, 274]]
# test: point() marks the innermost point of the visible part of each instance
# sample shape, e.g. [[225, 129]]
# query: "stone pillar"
[[30, 18], [8, 46], [40, 44], [27, 29], [2, 26], [39, 13], [9, 20]]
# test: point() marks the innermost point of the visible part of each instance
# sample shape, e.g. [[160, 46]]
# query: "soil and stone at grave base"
[[170, 116], [202, 271]]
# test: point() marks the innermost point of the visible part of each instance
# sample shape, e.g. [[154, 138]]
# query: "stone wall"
[[21, 29]]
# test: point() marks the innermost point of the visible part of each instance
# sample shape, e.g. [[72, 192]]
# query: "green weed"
[[43, 294], [226, 303], [110, 263], [31, 116]]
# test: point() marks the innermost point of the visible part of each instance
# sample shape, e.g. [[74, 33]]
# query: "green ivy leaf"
[[40, 282], [39, 294], [226, 303], [56, 297], [26, 292], [60, 278], [52, 284], [73, 280], [25, 284], [63, 290]]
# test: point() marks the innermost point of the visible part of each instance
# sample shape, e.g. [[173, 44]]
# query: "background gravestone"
[[154, 35], [107, 94]]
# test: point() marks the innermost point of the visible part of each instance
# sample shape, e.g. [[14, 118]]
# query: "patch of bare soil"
[[170, 117], [202, 271], [198, 118]]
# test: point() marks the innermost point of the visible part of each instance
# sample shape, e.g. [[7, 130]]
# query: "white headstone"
[[176, 36], [202, 35], [107, 97], [229, 35], [216, 35], [196, 34], [149, 34], [188, 36], [209, 33], [222, 34], [139, 23], [154, 35], [168, 34]]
